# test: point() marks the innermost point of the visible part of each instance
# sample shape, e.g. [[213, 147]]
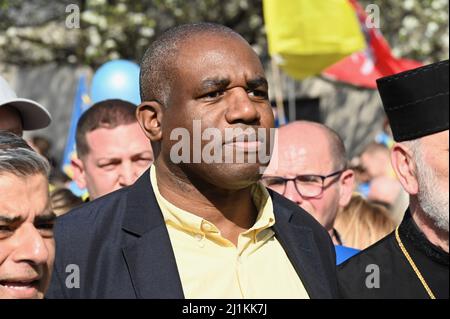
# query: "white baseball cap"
[[34, 116]]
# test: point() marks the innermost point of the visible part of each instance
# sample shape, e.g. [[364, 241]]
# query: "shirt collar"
[[190, 222]]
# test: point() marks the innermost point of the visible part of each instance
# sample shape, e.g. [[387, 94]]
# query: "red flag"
[[363, 68]]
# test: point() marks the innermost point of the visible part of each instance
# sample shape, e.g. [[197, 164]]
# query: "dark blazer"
[[121, 247]]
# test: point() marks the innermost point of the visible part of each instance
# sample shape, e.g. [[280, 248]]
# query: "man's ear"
[[347, 184], [150, 115], [79, 175], [405, 168]]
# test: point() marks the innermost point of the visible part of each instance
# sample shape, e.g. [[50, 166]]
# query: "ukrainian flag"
[[81, 103], [307, 36]]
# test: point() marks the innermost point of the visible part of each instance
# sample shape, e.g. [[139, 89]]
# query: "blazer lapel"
[[300, 246], [148, 251]]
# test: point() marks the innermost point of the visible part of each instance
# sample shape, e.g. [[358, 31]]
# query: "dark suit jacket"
[[121, 247]]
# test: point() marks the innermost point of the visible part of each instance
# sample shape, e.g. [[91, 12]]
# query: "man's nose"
[[241, 108], [31, 247], [292, 194], [127, 174]]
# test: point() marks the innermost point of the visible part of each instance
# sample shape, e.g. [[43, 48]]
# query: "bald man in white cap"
[[18, 114]]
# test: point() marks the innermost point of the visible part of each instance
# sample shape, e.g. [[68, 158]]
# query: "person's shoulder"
[[361, 274], [378, 253], [105, 209], [380, 271], [88, 236]]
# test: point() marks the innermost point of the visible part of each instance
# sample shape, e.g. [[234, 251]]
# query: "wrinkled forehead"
[[291, 158], [24, 197], [123, 140], [22, 211]]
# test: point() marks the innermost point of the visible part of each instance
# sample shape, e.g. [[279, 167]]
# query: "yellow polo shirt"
[[210, 266]]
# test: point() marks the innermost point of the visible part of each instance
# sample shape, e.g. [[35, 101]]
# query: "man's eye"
[[46, 226], [278, 182], [144, 160], [259, 94], [213, 95], [274, 181], [5, 231], [309, 179], [46, 229], [107, 165]]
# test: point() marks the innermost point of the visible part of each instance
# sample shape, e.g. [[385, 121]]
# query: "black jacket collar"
[[409, 230]]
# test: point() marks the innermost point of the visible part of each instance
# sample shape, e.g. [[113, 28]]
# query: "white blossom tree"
[[35, 32]]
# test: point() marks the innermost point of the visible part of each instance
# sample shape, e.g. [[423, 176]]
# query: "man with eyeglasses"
[[308, 167]]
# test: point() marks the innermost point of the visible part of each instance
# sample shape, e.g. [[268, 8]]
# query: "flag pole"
[[278, 90]]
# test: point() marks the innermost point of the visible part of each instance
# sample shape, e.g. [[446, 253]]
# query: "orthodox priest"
[[412, 262]]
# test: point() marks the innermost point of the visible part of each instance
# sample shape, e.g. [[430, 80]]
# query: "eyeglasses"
[[306, 185]]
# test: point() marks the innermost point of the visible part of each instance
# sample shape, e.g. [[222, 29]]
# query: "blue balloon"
[[118, 79]]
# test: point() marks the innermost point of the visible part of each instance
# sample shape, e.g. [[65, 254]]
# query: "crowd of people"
[[155, 227]]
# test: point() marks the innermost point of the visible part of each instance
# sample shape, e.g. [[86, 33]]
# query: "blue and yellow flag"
[[306, 36], [81, 103]]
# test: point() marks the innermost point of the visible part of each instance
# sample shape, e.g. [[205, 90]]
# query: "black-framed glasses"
[[309, 186]]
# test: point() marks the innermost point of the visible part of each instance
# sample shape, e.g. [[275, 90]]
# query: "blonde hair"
[[361, 223]]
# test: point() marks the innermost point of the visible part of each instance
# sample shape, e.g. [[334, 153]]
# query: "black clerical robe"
[[383, 271]]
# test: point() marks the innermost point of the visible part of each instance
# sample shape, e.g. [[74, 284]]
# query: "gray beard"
[[433, 201]]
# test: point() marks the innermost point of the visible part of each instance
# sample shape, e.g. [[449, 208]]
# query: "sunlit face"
[[27, 247], [116, 158], [220, 83], [300, 150], [10, 120]]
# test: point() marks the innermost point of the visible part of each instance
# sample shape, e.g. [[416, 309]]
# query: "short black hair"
[[158, 64], [107, 114]]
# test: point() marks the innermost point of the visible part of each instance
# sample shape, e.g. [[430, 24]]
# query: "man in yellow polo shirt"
[[198, 224], [230, 271]]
